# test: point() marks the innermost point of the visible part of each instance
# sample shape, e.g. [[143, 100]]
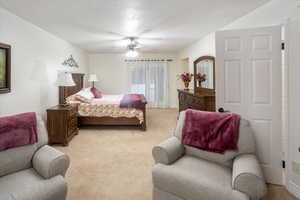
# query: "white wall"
[[112, 72], [36, 56], [203, 47], [275, 12]]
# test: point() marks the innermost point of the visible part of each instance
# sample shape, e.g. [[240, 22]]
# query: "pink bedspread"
[[132, 101], [18, 130], [211, 131]]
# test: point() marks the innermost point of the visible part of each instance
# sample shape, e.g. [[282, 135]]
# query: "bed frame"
[[78, 78]]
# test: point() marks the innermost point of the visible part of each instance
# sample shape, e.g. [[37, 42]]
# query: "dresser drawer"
[[72, 124], [188, 99], [182, 97], [72, 121], [73, 112], [197, 103]]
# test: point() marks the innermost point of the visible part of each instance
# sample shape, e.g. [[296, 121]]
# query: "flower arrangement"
[[186, 78], [200, 78]]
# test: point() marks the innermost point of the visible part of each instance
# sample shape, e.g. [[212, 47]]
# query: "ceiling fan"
[[131, 43]]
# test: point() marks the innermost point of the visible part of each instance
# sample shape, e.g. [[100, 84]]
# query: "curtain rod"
[[148, 60]]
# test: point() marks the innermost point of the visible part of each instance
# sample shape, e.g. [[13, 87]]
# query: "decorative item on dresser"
[[62, 123], [204, 71], [186, 79], [203, 95]]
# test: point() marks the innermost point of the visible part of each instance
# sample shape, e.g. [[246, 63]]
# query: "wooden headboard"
[[64, 92]]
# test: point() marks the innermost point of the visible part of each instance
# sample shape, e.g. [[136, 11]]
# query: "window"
[[151, 79]]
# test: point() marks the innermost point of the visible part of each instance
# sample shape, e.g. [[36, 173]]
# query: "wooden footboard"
[[122, 121], [144, 124]]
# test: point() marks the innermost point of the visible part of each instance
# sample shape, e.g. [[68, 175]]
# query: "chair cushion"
[[193, 179], [246, 144], [19, 158], [28, 185]]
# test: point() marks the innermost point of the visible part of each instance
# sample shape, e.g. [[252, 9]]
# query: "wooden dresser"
[[62, 124], [188, 99]]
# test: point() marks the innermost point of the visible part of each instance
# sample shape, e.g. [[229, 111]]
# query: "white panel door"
[[248, 65]]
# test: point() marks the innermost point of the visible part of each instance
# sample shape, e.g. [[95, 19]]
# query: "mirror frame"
[[201, 90]]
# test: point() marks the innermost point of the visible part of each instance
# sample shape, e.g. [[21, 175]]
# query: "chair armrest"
[[168, 151], [247, 176], [49, 162]]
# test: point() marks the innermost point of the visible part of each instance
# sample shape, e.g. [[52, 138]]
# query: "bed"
[[92, 113]]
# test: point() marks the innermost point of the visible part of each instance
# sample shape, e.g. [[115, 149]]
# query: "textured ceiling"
[[161, 25]]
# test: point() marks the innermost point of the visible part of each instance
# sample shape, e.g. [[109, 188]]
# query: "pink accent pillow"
[[97, 94]]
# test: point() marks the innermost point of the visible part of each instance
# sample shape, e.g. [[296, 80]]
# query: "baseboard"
[[294, 189]]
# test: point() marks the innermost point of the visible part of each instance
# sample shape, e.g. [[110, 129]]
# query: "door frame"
[[292, 187]]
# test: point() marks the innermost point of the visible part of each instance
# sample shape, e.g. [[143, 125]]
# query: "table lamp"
[[64, 79], [93, 78]]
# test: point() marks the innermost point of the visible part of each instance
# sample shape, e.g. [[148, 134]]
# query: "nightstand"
[[62, 124]]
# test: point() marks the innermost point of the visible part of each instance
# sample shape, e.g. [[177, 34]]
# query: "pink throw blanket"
[[132, 101], [211, 131], [18, 130]]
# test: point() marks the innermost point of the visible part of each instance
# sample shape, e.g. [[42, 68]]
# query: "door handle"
[[222, 110]]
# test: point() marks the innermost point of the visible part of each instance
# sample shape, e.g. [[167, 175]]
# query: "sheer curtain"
[[151, 79]]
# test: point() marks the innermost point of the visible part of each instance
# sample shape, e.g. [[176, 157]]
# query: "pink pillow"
[[97, 94]]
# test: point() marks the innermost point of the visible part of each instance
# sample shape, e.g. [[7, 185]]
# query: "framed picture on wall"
[[5, 67]]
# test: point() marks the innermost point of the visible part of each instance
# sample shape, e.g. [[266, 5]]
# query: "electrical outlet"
[[296, 167]]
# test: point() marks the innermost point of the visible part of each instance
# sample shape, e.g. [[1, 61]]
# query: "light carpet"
[[114, 163]]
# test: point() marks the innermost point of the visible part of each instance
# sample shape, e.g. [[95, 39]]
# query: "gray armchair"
[[186, 173], [33, 172]]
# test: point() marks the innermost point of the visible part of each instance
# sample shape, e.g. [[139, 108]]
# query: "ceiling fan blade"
[[102, 43], [116, 34], [149, 41]]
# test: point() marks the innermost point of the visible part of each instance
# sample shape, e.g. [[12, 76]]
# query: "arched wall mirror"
[[204, 75]]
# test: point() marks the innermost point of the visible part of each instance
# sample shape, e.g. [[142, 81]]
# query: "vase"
[[199, 83], [186, 85]]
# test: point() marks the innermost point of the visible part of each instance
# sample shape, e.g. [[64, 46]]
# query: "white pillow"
[[86, 93]]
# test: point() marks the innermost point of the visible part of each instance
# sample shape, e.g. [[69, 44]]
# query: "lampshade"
[[93, 78], [64, 79]]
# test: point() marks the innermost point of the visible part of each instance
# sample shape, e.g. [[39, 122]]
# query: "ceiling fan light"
[[132, 53]]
